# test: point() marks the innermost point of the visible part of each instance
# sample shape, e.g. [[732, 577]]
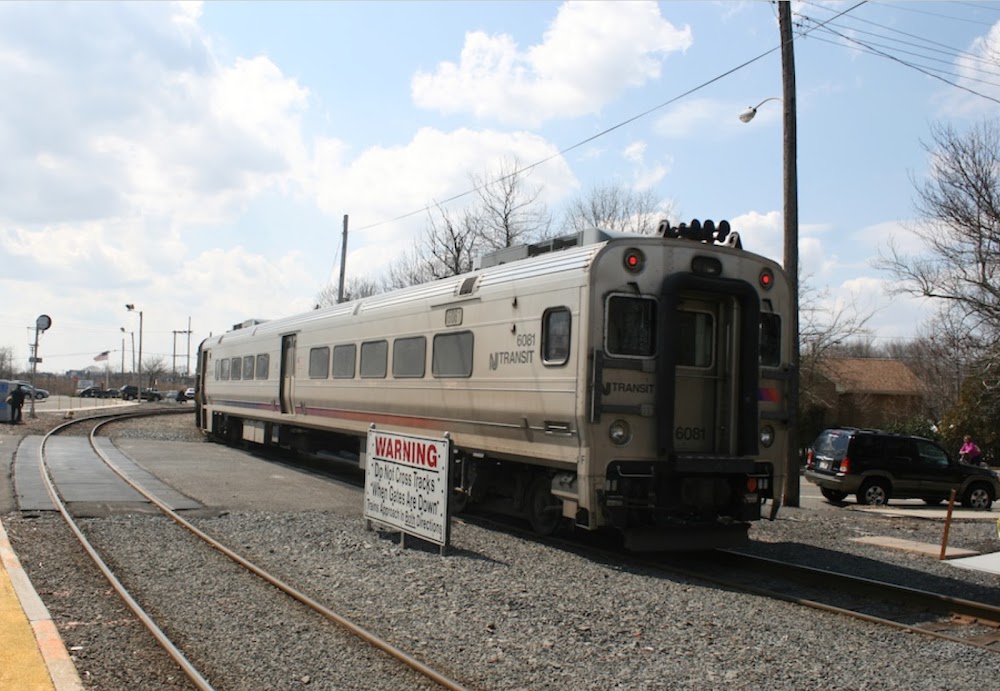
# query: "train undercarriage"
[[651, 508]]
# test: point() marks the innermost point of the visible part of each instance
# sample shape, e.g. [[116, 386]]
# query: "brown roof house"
[[864, 392]]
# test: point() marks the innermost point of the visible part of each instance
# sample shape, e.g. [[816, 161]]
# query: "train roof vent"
[[468, 286], [247, 324], [506, 255]]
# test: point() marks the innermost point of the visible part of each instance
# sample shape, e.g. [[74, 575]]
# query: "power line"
[[602, 133], [913, 66], [901, 8]]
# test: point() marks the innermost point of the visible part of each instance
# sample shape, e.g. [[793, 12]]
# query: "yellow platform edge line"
[[50, 646]]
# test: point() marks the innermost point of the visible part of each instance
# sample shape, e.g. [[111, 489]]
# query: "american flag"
[[101, 356]]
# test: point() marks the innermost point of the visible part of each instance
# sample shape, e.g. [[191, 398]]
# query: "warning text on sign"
[[406, 484]]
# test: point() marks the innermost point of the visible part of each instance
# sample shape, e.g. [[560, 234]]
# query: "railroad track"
[[966, 622], [423, 674]]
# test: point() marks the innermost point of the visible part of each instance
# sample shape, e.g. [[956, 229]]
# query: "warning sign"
[[406, 484]]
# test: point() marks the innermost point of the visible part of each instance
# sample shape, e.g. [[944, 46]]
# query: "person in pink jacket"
[[969, 452]]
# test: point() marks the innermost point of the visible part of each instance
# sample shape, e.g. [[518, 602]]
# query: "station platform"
[[32, 654]]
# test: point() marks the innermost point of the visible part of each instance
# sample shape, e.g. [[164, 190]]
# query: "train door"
[[287, 372], [703, 399], [708, 366], [199, 392]]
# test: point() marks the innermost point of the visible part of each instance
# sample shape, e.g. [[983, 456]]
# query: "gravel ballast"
[[496, 612]]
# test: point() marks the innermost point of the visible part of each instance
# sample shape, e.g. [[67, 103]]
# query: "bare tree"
[[614, 207], [822, 331], [959, 206], [154, 368], [354, 289], [936, 357], [408, 269], [6, 362], [447, 248], [509, 209]]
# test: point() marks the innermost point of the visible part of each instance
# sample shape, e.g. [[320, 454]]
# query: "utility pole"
[[343, 262], [174, 362], [187, 369], [791, 255]]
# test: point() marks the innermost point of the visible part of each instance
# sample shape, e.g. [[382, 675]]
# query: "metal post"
[[343, 262], [131, 308], [140, 356], [791, 255], [34, 369]]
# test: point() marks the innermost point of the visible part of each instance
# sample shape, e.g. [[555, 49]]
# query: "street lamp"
[[791, 253], [131, 308], [748, 114]]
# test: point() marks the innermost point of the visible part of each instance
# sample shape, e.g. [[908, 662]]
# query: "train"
[[608, 382]]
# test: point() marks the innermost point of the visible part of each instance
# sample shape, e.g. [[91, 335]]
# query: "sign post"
[[407, 485], [43, 323]]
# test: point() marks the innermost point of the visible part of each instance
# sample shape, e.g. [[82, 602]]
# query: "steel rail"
[[983, 613], [976, 612], [168, 646], [289, 590]]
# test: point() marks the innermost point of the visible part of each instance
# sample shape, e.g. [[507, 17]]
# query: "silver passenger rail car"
[[603, 380]]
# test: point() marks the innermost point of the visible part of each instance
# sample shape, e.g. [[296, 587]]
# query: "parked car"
[[878, 466], [189, 393], [30, 390], [130, 393], [91, 392]]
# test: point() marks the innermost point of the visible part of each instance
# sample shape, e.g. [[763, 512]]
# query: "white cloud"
[[759, 233], [590, 54], [644, 177], [974, 68], [159, 127], [382, 183]]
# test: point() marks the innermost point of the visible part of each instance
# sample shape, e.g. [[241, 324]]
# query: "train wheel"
[[544, 510], [459, 500]]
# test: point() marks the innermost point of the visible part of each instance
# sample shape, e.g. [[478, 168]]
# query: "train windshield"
[[631, 326], [770, 339]]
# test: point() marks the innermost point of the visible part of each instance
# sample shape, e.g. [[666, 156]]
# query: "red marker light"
[[634, 261], [766, 279]]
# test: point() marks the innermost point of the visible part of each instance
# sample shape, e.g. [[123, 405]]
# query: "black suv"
[[876, 466], [130, 393]]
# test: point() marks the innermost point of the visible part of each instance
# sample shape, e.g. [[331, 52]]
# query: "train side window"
[[630, 329], [224, 369], [452, 356], [343, 361], [374, 355], [236, 369], [409, 357], [248, 367], [319, 362], [555, 336], [695, 338], [770, 339], [263, 366]]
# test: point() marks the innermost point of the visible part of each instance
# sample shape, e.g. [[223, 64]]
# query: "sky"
[[196, 160]]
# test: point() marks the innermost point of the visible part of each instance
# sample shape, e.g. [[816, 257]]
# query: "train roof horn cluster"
[[706, 232]]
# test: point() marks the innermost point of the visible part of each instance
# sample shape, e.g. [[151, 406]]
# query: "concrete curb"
[[61, 669]]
